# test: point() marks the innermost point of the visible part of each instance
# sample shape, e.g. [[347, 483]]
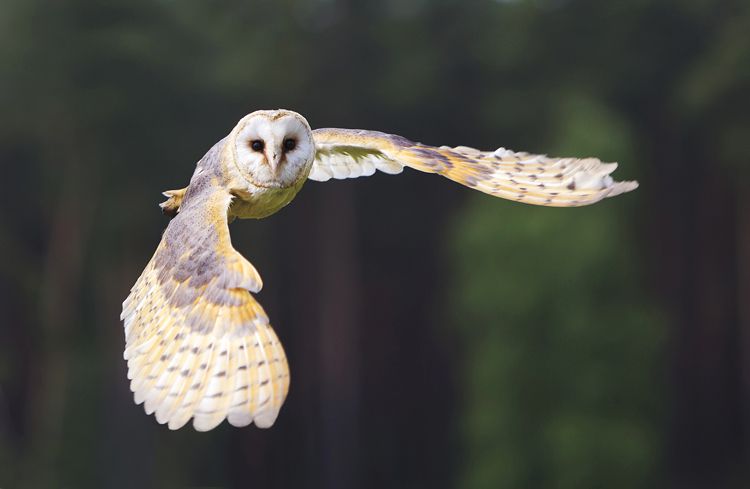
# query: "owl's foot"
[[171, 206]]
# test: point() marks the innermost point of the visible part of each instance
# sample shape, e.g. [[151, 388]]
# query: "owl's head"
[[273, 148]]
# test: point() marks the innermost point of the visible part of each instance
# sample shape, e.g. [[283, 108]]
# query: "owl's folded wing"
[[197, 343], [523, 177]]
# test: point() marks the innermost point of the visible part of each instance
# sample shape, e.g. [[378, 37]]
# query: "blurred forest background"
[[437, 337]]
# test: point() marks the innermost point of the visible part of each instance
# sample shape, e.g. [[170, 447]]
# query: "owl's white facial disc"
[[274, 148]]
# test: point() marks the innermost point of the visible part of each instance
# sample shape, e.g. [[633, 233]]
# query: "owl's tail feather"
[[523, 177]]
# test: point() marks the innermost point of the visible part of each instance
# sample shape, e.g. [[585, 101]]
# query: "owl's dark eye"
[[257, 145], [289, 144]]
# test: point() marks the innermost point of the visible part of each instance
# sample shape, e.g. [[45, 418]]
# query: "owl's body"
[[198, 344]]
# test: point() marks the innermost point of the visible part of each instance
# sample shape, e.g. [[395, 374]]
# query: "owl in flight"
[[198, 344]]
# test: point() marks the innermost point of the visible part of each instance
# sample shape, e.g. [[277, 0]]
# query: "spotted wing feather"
[[198, 345], [523, 177]]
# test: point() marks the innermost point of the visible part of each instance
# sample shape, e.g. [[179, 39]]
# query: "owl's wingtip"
[[629, 185], [623, 187]]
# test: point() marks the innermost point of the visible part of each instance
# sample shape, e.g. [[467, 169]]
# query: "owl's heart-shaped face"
[[273, 148]]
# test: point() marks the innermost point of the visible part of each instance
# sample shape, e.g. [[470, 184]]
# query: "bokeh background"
[[437, 337]]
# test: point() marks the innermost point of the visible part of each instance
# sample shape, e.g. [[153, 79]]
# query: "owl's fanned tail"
[[523, 177], [198, 344]]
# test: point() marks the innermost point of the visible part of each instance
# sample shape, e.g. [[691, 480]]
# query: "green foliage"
[[561, 344]]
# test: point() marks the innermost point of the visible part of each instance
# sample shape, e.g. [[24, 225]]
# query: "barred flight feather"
[[198, 345], [523, 177]]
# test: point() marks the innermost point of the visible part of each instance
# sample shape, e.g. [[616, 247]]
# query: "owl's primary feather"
[[523, 177], [198, 345]]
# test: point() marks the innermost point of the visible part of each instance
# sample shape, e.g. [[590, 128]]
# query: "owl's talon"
[[171, 206]]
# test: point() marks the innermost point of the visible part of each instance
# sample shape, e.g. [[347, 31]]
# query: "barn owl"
[[198, 344]]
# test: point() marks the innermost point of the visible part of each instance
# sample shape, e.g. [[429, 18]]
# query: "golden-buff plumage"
[[198, 344]]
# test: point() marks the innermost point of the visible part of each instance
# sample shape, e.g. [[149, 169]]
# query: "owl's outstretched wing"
[[197, 342], [523, 177]]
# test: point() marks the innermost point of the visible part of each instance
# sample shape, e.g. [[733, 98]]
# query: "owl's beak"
[[274, 160]]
